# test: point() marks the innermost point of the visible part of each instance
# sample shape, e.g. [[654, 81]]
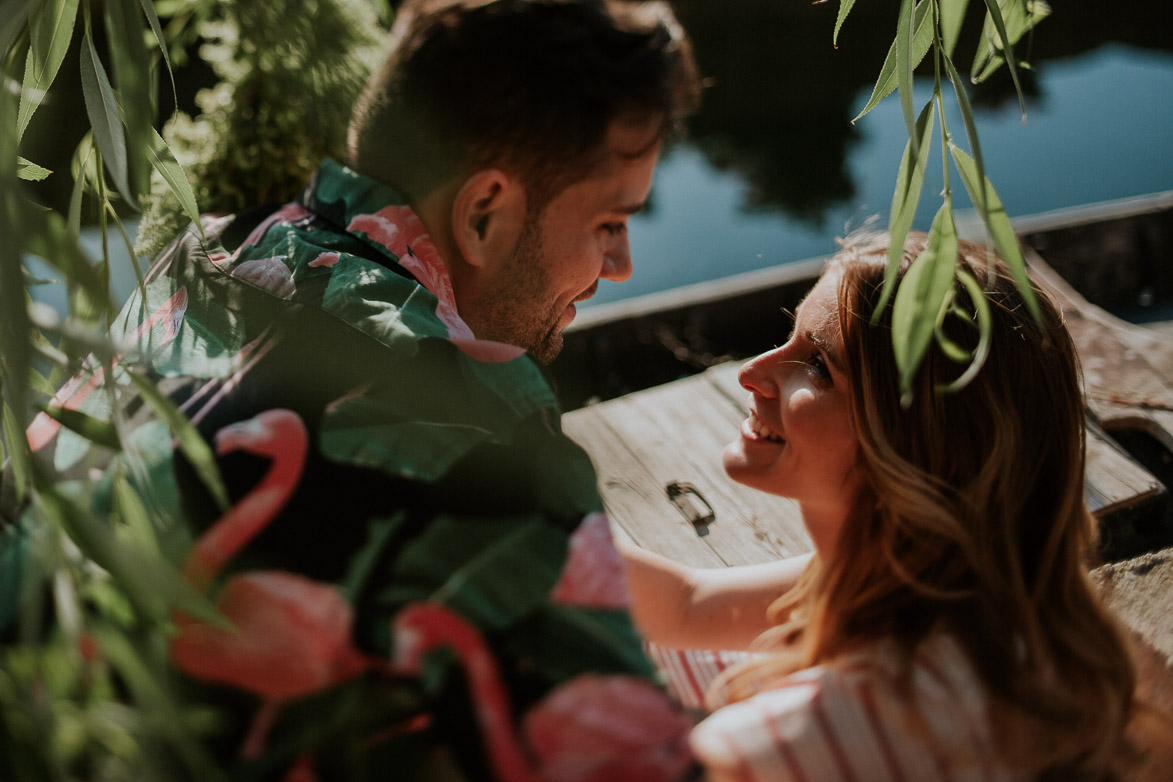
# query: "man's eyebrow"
[[630, 209]]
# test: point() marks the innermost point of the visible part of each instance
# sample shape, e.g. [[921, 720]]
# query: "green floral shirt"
[[376, 456]]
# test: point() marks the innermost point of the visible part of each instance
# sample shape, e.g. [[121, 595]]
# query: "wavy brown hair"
[[972, 523]]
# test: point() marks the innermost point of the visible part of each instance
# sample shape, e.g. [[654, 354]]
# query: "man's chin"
[[548, 349]]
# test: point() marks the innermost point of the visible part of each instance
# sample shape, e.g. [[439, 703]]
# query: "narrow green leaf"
[[83, 162], [13, 16], [995, 15], [967, 116], [66, 605], [921, 41], [844, 10], [126, 241], [27, 170], [148, 690], [952, 16], [951, 349], [50, 31], [923, 295], [84, 337], [32, 281], [16, 449], [985, 327], [131, 68], [1019, 17], [96, 431], [49, 238], [15, 329], [910, 180], [187, 437], [904, 66], [153, 17], [130, 508], [993, 214], [163, 159], [56, 357], [153, 585], [105, 117], [40, 384]]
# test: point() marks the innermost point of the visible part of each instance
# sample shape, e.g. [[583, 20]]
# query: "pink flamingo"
[[592, 728], [292, 635]]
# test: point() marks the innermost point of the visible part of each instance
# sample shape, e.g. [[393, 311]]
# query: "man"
[[357, 358]]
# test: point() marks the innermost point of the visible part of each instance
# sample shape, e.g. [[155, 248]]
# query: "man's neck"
[[435, 210]]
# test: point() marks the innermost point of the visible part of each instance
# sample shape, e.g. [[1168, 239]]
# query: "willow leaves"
[[50, 31], [925, 297], [99, 564]]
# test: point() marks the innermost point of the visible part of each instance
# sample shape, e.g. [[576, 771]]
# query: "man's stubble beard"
[[519, 308]]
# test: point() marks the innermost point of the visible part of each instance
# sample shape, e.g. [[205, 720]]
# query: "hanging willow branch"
[[923, 299]]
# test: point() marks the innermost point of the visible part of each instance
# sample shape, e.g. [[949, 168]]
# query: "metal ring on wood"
[[689, 501]]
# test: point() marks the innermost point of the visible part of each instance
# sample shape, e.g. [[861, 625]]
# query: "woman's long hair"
[[972, 523]]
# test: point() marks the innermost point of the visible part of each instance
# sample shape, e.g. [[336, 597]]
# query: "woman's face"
[[798, 440]]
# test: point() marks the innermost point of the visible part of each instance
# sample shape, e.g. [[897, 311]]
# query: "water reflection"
[[781, 98], [773, 169]]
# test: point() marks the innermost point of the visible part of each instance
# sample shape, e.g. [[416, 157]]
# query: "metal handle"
[[688, 500]]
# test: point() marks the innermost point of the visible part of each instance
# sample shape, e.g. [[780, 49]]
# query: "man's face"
[[579, 238]]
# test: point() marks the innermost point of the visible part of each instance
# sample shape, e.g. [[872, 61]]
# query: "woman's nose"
[[757, 374]]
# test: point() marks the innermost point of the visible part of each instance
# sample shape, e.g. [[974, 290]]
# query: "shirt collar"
[[380, 216]]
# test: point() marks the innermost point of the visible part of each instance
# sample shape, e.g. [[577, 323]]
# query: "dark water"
[[773, 170]]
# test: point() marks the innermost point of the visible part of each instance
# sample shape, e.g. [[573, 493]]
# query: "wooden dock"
[[658, 451]]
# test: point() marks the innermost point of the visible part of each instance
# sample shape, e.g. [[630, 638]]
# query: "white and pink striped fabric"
[[689, 672], [847, 721]]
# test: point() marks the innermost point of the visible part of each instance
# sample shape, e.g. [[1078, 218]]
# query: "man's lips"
[[588, 292], [571, 311]]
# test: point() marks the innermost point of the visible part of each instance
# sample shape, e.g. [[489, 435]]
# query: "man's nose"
[[617, 262]]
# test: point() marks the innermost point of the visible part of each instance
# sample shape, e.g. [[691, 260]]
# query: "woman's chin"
[[739, 467]]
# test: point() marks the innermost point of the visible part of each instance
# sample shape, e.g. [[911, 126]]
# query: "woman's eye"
[[819, 365]]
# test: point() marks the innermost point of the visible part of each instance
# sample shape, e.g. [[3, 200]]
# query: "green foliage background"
[[89, 694]]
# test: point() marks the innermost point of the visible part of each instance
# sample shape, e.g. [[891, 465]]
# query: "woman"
[[945, 626]]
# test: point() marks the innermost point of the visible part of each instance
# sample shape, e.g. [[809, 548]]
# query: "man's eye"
[[614, 229]]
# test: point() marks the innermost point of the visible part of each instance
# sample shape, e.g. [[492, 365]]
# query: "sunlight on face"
[[798, 440], [579, 238]]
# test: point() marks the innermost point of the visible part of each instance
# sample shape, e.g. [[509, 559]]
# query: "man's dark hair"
[[531, 86]]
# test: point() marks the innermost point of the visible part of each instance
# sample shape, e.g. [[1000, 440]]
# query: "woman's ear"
[[488, 214]]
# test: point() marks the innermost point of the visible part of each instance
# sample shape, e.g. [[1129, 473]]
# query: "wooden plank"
[[701, 421], [632, 489], [676, 433], [1113, 480], [1127, 371]]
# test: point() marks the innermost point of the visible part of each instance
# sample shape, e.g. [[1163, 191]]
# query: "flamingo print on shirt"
[[592, 728], [292, 635]]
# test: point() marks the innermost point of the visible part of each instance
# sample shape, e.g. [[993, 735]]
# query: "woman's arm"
[[694, 608]]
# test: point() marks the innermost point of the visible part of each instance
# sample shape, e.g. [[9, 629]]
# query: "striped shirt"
[[689, 672], [847, 720]]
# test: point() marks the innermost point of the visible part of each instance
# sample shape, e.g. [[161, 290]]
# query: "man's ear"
[[488, 214]]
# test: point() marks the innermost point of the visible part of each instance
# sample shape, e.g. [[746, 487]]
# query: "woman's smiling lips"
[[754, 429]]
